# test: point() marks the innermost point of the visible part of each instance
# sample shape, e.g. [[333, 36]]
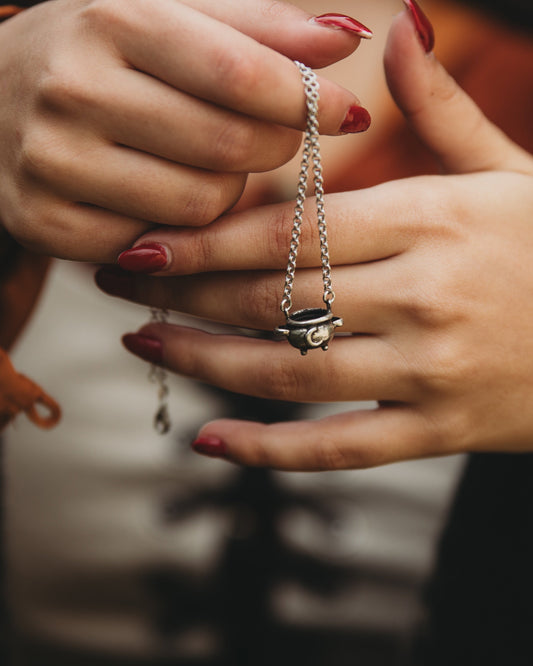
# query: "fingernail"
[[422, 24], [146, 347], [148, 258], [210, 446], [357, 120], [115, 282], [343, 22]]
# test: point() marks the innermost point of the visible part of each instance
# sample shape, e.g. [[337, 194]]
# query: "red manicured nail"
[[343, 22], [148, 258], [210, 446], [115, 282], [148, 348], [357, 120], [422, 24]]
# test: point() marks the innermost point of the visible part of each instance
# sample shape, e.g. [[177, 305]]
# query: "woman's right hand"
[[117, 115]]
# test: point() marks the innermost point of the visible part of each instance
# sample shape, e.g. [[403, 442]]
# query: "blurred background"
[[123, 547]]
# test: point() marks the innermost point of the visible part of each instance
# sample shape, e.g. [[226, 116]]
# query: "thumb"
[[443, 116]]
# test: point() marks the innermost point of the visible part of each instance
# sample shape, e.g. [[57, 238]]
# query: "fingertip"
[[210, 446], [216, 440], [408, 68], [114, 281], [328, 38], [243, 442], [147, 257], [422, 25], [147, 347], [342, 22]]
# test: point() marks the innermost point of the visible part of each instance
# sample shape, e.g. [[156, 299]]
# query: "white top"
[[84, 500]]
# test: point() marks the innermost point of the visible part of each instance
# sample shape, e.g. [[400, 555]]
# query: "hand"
[[433, 279], [117, 116]]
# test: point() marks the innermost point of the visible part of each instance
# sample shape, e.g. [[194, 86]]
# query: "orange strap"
[[7, 11], [17, 392], [20, 394]]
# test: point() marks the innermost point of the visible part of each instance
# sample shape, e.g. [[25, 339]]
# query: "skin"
[[432, 275], [98, 101]]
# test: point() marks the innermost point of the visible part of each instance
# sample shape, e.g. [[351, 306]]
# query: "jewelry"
[[158, 375], [312, 327]]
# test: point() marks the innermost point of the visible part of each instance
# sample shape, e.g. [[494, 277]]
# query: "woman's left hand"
[[433, 280]]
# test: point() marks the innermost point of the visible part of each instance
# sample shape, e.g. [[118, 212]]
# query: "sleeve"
[[21, 278]]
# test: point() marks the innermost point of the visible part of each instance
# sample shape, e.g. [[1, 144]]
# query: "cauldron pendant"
[[310, 329]]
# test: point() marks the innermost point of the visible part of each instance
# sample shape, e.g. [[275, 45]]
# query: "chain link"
[[310, 156]]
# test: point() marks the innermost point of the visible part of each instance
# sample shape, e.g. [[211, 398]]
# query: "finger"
[[353, 440], [75, 231], [134, 184], [229, 69], [365, 225], [445, 118], [222, 140], [289, 30], [279, 371], [252, 300]]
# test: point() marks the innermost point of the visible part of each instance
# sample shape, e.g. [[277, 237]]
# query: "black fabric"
[[235, 598], [518, 13], [481, 597]]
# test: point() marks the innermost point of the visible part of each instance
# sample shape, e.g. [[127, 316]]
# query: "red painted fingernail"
[[146, 347], [357, 120], [343, 22], [148, 258], [115, 282], [422, 24], [210, 446]]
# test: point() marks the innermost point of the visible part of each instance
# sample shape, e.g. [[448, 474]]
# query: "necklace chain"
[[310, 157], [158, 376]]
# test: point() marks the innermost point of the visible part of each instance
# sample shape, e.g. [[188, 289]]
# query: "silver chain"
[[158, 376], [311, 155]]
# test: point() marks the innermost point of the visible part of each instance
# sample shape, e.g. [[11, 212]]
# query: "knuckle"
[[38, 152], [237, 73], [233, 147], [260, 454], [280, 380], [445, 89], [99, 14], [445, 431], [330, 454], [40, 227], [258, 300], [61, 89], [445, 367], [202, 204], [289, 142], [199, 251], [280, 230], [211, 197], [425, 309], [436, 303], [277, 10]]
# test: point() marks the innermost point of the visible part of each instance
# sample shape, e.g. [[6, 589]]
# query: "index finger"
[[364, 225], [209, 59], [290, 30]]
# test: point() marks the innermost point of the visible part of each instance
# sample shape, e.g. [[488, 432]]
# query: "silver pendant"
[[310, 329]]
